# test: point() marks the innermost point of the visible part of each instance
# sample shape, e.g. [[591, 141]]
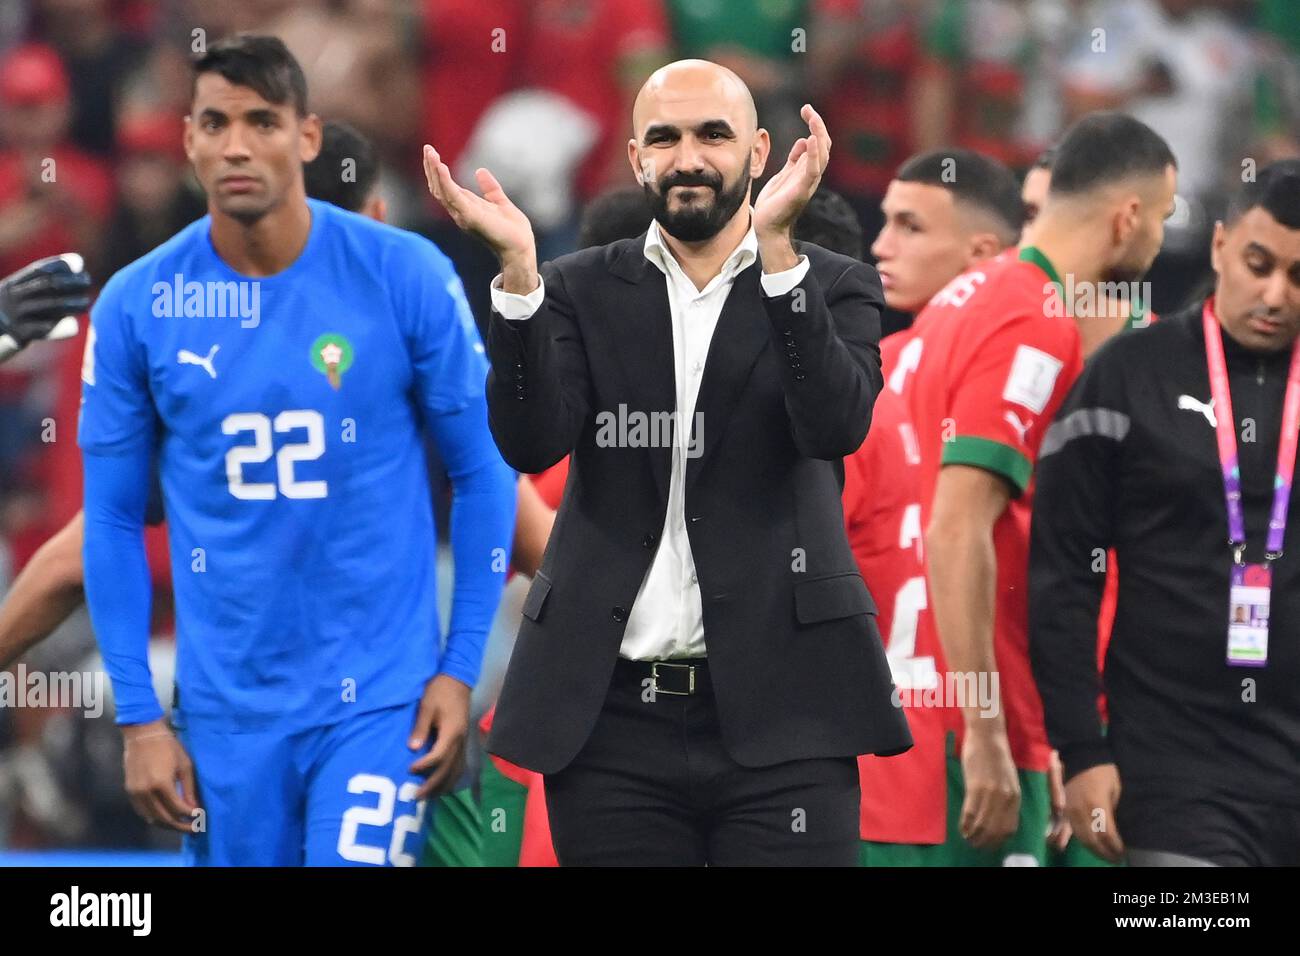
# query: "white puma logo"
[[1194, 405], [186, 357], [1014, 421]]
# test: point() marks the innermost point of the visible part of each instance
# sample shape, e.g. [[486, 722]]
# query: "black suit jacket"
[[795, 658]]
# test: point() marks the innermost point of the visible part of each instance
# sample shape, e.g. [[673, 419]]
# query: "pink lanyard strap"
[[1225, 432]]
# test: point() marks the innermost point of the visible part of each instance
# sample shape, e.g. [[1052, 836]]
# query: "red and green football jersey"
[[516, 829], [988, 362], [882, 515]]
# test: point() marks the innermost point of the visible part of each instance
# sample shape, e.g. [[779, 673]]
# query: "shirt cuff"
[[778, 283], [1078, 757], [456, 666], [514, 306]]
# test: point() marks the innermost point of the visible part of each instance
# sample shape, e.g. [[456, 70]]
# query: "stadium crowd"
[[92, 95]]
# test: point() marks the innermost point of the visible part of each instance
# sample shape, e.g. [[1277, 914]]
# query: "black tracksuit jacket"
[[1125, 467]]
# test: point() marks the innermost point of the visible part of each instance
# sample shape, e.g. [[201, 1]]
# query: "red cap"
[[156, 133], [32, 73]]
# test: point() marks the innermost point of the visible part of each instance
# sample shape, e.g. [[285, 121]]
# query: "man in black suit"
[[698, 664]]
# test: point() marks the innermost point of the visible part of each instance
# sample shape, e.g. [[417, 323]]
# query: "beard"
[[697, 221]]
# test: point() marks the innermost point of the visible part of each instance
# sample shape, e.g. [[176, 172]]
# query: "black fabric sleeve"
[[1072, 532], [829, 348], [538, 386]]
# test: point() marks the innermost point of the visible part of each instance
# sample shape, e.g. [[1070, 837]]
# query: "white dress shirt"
[[667, 618]]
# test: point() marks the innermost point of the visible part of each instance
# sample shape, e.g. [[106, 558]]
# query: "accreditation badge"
[[1248, 615]]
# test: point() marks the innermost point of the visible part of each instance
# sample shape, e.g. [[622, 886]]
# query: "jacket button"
[[798, 377], [696, 518], [648, 541], [619, 614]]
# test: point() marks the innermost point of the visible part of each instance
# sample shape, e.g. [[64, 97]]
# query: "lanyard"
[[1225, 431]]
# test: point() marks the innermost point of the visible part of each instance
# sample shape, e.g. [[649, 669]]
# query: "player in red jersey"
[[978, 378], [936, 226]]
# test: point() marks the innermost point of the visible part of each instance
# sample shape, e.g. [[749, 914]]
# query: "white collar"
[[744, 255]]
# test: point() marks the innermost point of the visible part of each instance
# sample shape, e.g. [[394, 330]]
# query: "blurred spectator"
[[765, 44], [862, 67], [471, 54], [1177, 65], [53, 198], [98, 56], [1184, 68], [470, 57], [1269, 124], [582, 61], [358, 70], [596, 54], [158, 197], [987, 81]]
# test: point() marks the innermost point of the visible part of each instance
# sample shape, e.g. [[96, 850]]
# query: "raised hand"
[[786, 193], [492, 217]]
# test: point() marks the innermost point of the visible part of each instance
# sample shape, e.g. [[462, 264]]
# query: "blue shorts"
[[327, 796]]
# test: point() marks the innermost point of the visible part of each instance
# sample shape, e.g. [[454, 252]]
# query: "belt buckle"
[[690, 678]]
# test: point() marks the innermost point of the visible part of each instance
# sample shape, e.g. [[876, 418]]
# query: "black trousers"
[[653, 786]]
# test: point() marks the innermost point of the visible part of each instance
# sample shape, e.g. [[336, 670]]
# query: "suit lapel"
[[644, 344], [741, 333]]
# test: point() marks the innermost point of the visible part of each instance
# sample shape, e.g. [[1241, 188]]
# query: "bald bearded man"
[[698, 663]]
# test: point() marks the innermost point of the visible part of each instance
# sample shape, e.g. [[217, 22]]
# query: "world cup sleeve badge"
[[331, 355]]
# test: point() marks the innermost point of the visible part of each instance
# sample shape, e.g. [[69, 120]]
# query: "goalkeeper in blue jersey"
[[281, 357]]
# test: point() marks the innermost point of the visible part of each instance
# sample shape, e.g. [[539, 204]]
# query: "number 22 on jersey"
[[260, 450]]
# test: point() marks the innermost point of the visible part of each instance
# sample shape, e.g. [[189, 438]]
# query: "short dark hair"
[[618, 213], [261, 63], [1103, 148], [1275, 189], [830, 222], [324, 176], [972, 178]]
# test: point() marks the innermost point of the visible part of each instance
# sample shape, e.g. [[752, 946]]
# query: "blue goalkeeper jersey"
[[286, 416]]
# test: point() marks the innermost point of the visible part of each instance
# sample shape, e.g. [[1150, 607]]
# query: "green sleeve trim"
[[991, 456]]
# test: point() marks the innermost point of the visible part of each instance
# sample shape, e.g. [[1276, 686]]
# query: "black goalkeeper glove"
[[42, 301]]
